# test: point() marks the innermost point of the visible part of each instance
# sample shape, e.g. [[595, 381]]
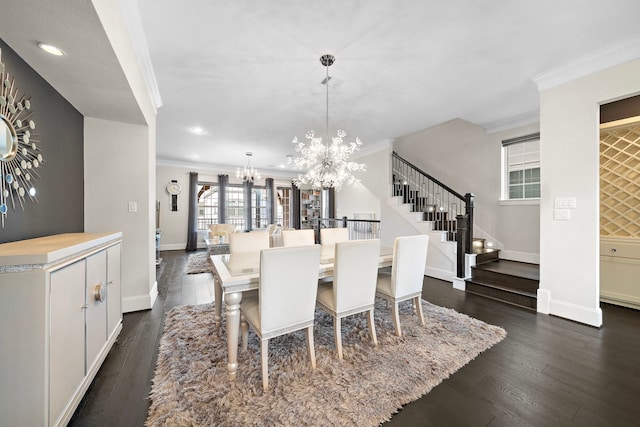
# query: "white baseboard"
[[587, 315], [173, 247], [459, 284], [520, 256], [439, 273], [140, 302]]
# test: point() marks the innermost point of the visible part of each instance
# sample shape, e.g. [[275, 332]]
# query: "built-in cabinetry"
[[60, 311], [620, 271], [310, 207]]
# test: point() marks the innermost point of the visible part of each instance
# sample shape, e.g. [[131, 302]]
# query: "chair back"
[[288, 286], [298, 237], [331, 236], [355, 273], [253, 241], [409, 259]]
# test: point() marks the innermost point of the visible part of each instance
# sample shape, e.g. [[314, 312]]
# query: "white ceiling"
[[248, 72]]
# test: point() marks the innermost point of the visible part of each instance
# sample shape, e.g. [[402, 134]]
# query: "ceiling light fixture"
[[327, 164], [53, 50], [249, 173], [197, 130]]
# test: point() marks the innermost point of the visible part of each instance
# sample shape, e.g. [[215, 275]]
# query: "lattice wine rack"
[[620, 178]]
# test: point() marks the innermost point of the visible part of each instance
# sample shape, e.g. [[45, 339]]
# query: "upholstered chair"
[[353, 288], [253, 241], [298, 237], [407, 276], [331, 236], [285, 302]]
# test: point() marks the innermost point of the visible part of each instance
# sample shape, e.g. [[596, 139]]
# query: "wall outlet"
[[133, 207], [562, 214]]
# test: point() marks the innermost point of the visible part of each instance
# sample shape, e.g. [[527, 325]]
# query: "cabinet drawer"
[[620, 248]]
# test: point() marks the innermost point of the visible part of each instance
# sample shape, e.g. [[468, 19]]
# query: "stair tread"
[[502, 287], [511, 268]]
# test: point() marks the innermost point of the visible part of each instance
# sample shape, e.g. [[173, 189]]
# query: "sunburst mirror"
[[20, 156]]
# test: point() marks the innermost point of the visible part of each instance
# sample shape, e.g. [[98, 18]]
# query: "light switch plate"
[[133, 207], [564, 203], [562, 214]]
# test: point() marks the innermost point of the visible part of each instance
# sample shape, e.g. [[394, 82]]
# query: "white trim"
[[133, 22], [587, 315], [439, 273], [597, 61], [531, 258], [459, 284], [519, 202], [524, 119], [140, 302]]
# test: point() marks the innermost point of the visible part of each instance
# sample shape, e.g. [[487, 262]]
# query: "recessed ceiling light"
[[197, 130], [51, 49]]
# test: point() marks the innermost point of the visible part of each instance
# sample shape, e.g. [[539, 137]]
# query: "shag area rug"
[[191, 388], [199, 263]]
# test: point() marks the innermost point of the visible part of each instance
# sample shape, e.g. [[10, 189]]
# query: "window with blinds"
[[522, 167]]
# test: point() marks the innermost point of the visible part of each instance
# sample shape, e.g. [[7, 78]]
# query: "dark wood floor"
[[547, 372]]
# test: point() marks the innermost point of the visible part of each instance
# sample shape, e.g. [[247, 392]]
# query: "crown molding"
[[597, 61], [528, 118], [133, 22]]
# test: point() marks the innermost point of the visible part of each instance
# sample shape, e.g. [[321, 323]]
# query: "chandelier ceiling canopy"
[[248, 173], [327, 163]]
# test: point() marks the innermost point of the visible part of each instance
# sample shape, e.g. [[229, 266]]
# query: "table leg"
[[232, 301], [217, 289]]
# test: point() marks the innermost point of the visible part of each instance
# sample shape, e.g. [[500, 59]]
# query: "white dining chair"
[[331, 236], [407, 276], [353, 287], [284, 302], [298, 237], [253, 241]]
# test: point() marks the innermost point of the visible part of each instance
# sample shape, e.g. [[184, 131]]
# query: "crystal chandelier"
[[248, 173], [327, 164]]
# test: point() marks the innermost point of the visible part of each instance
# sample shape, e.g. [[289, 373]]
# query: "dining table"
[[237, 273]]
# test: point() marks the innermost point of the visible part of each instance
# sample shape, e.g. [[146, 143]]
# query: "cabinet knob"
[[613, 250], [100, 293]]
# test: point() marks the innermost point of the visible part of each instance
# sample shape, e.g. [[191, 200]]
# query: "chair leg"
[[396, 318], [418, 304], [312, 350], [372, 328], [244, 327], [338, 334], [264, 353]]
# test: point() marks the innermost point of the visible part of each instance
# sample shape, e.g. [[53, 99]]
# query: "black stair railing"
[[450, 212]]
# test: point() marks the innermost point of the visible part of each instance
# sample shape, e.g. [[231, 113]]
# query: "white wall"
[[461, 155], [569, 250], [173, 225], [119, 168]]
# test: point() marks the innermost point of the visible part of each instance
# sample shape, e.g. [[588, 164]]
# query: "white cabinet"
[[620, 271], [60, 307]]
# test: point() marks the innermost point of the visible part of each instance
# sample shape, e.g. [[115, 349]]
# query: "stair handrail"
[[417, 169], [464, 223]]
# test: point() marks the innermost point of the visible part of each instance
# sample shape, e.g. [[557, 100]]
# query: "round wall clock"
[[20, 156], [174, 189]]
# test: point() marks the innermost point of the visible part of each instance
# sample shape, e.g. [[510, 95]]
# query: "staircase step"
[[507, 281], [485, 255], [518, 276], [523, 299]]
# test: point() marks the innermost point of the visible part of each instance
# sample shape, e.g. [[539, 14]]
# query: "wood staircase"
[[511, 282]]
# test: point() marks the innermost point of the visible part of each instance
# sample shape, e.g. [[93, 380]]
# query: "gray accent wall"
[[60, 187]]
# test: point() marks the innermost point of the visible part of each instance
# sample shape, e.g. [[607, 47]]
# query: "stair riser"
[[487, 257], [513, 282], [500, 295]]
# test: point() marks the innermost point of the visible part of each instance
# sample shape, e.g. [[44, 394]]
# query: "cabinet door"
[[96, 308], [66, 345], [114, 295]]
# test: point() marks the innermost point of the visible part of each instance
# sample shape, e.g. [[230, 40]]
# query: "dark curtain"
[[271, 200], [295, 206], [192, 226], [223, 181], [332, 202], [248, 187]]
